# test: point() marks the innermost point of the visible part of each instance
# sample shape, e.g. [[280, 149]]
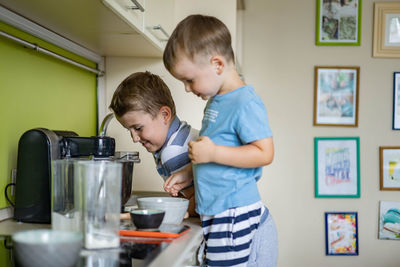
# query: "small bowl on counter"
[[175, 208], [47, 248], [147, 219]]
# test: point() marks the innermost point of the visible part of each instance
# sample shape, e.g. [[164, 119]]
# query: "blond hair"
[[198, 35], [142, 91]]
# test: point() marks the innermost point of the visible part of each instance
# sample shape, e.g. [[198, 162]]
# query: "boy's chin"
[[151, 149], [204, 97]]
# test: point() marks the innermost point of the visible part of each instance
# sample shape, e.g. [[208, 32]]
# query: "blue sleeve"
[[252, 123]]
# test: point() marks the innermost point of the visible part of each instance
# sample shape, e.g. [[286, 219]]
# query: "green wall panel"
[[37, 90]]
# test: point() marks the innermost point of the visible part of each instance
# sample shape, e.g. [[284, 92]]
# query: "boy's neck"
[[232, 81]]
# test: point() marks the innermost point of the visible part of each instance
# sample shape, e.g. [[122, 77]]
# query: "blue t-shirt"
[[232, 119]]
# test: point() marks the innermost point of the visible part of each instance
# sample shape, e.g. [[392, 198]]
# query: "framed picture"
[[337, 167], [386, 30], [338, 22], [389, 220], [341, 233], [389, 158], [336, 96], [396, 101]]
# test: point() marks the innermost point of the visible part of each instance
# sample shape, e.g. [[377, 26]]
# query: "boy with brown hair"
[[143, 104], [235, 143]]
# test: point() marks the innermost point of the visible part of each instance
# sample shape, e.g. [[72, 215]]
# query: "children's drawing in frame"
[[341, 233], [396, 100], [336, 91], [389, 220], [337, 167], [338, 22], [389, 157]]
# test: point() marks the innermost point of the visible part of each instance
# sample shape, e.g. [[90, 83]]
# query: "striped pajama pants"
[[228, 235]]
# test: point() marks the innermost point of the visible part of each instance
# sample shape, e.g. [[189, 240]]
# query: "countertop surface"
[[180, 252]]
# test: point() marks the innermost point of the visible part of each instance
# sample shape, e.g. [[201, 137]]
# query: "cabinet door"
[[159, 18], [128, 11]]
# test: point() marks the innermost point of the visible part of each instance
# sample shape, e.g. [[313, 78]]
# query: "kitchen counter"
[[180, 252], [183, 250]]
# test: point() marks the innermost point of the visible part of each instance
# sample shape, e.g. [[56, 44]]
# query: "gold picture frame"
[[336, 91], [389, 161], [386, 31]]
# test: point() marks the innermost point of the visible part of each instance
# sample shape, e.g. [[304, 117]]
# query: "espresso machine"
[[38, 147]]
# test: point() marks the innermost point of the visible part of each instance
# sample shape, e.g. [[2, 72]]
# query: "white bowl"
[[47, 248], [175, 208]]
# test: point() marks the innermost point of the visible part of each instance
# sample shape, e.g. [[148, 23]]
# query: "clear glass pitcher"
[[66, 192], [101, 199]]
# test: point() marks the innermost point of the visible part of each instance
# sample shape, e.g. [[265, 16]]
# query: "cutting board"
[[165, 231]]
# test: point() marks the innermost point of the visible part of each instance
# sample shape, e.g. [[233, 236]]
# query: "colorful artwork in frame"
[[337, 167], [341, 233], [336, 96], [389, 158], [396, 100], [338, 22], [389, 220]]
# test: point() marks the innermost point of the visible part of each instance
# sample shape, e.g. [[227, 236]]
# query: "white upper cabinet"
[[153, 19], [132, 12], [159, 21], [160, 17], [137, 28]]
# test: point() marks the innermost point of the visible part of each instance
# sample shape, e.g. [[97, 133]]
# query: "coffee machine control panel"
[[97, 146]]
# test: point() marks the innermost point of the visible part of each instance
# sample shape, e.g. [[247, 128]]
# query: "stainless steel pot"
[[128, 160]]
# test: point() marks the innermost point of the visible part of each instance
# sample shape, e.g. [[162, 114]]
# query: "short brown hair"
[[142, 91], [198, 35]]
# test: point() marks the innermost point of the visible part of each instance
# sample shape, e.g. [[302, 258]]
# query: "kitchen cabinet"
[[159, 21], [113, 28], [132, 14], [92, 24], [153, 20]]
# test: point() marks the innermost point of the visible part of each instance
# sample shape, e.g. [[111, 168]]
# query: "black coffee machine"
[[36, 149]]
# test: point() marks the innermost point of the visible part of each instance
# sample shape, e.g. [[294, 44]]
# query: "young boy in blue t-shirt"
[[235, 143], [143, 104]]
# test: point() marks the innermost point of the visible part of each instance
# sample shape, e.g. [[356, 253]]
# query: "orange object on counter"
[[155, 234]]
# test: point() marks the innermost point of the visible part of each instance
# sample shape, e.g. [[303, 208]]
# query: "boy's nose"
[[187, 88], [135, 137]]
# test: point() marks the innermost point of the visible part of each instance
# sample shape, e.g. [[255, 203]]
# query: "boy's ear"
[[219, 63], [166, 113]]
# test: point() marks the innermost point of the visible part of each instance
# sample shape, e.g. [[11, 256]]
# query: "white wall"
[[279, 55]]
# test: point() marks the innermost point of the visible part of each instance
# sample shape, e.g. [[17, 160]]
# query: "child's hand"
[[124, 216], [178, 181], [202, 150]]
